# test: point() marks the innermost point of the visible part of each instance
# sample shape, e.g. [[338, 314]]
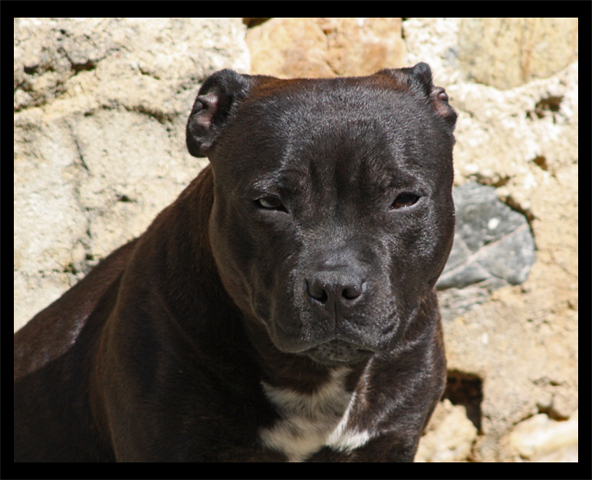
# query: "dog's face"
[[333, 214]]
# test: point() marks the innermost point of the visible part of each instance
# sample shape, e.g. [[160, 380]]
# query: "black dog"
[[283, 308]]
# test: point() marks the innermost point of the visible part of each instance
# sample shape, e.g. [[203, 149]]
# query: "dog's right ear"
[[218, 96], [418, 79]]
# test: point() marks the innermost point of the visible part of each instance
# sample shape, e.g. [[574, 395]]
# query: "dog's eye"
[[270, 203], [405, 199]]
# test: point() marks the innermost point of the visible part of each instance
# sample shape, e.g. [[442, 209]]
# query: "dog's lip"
[[337, 341], [337, 351]]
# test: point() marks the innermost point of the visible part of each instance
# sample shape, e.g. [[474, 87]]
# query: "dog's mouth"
[[337, 352]]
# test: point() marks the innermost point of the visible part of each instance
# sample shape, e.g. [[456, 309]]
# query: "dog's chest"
[[311, 421]]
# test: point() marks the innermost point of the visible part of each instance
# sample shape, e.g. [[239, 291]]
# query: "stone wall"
[[100, 108]]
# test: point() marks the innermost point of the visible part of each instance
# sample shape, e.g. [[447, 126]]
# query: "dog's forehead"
[[302, 144], [307, 130], [320, 114], [334, 95]]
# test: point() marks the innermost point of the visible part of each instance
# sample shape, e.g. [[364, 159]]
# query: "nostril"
[[351, 292], [321, 296], [317, 291]]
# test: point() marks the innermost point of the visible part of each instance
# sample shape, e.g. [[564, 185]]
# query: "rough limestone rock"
[[100, 111]]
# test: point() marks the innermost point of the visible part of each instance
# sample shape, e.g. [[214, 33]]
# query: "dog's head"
[[333, 214]]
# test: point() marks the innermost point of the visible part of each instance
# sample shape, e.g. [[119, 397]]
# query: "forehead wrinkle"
[[354, 141], [287, 180]]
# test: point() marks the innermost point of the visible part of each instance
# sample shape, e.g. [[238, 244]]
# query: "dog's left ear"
[[217, 98], [418, 79]]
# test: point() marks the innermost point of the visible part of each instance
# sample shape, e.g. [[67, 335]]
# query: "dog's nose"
[[335, 287]]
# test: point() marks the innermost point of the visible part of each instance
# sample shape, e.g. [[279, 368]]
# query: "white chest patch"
[[312, 421]]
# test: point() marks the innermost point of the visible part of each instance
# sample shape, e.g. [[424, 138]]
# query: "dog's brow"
[[287, 179]]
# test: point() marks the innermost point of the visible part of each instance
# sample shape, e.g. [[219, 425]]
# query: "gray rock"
[[493, 247]]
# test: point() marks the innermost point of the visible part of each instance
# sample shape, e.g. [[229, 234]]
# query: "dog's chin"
[[337, 352]]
